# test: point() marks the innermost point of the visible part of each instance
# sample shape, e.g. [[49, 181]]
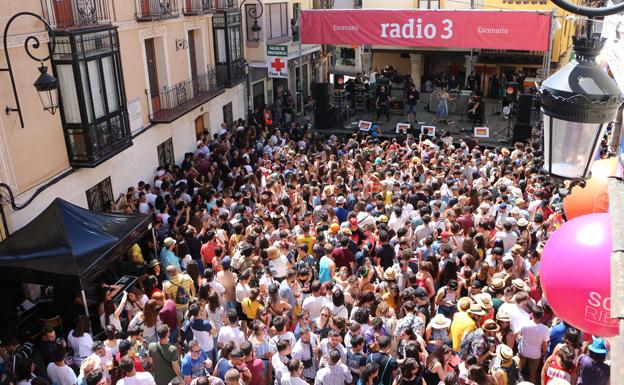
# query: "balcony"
[[169, 103], [197, 7], [150, 10], [230, 74], [71, 14]]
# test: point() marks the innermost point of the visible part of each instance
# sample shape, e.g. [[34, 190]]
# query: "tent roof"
[[67, 241]]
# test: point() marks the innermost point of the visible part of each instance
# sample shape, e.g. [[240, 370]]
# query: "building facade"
[[139, 81]]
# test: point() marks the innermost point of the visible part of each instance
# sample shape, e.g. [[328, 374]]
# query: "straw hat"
[[497, 284], [502, 315], [154, 262], [476, 309], [519, 284], [484, 300], [490, 326], [440, 322], [272, 252], [504, 352], [522, 222], [464, 304], [169, 241], [390, 274], [328, 190]]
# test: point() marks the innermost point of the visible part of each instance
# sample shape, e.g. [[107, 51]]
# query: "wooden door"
[[193, 60], [189, 6], [63, 13], [199, 126], [152, 73]]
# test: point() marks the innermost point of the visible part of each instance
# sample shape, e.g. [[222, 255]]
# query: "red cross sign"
[[277, 64]]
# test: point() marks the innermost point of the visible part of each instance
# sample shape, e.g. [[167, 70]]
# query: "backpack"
[[513, 374], [181, 296]]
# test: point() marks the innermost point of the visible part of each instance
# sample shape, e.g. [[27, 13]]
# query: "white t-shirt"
[[288, 380], [228, 333], [509, 239], [242, 291], [533, 336], [314, 305], [61, 375], [81, 345], [517, 316], [280, 264], [140, 378]]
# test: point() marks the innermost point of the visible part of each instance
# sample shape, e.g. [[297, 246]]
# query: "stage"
[[500, 128]]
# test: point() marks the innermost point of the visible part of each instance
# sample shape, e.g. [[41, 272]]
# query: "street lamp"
[[578, 102], [255, 15], [46, 84]]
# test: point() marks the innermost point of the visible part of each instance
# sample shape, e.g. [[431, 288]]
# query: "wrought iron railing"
[[169, 103], [76, 13], [147, 10], [197, 7], [230, 74]]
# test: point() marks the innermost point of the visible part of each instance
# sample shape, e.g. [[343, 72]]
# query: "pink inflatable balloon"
[[575, 274]]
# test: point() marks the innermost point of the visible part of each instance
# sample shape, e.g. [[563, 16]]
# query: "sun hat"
[[598, 346], [390, 274], [504, 352], [497, 283], [153, 263], [522, 222], [490, 326], [169, 241], [382, 218], [476, 309], [463, 304], [341, 200], [484, 300], [519, 284], [502, 315], [440, 322]]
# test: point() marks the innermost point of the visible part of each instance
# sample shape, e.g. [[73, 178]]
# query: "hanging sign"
[[277, 61], [517, 30]]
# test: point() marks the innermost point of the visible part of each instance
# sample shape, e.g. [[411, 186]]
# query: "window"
[[278, 20], [228, 116], [165, 153], [428, 4], [228, 51], [100, 196], [258, 95], [92, 95]]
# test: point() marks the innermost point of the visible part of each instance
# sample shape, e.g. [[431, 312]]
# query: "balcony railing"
[[197, 7], [169, 103], [148, 10], [68, 14], [230, 74]]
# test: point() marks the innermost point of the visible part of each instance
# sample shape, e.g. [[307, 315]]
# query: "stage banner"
[[516, 30]]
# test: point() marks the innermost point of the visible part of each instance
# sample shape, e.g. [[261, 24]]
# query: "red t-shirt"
[[168, 314], [138, 366], [256, 368]]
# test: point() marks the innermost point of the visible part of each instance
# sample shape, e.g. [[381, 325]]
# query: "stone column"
[[367, 60], [471, 62], [417, 68]]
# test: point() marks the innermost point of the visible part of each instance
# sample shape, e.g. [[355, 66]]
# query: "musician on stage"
[[412, 99], [382, 103], [474, 109]]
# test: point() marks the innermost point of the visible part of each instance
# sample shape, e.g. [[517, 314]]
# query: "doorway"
[[63, 13], [199, 127], [152, 74]]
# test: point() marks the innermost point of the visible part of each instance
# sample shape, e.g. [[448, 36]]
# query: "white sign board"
[[277, 61], [135, 116]]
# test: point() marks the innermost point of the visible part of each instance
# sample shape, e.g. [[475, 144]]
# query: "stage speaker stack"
[[524, 124], [324, 118]]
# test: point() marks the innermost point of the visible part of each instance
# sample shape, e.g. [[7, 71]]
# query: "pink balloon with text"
[[575, 274]]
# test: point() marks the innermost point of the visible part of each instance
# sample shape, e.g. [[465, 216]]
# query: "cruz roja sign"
[[277, 61]]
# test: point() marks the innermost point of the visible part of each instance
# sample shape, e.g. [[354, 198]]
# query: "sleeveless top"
[[556, 371], [324, 270]]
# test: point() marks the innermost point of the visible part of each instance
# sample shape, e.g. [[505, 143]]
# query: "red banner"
[[514, 30]]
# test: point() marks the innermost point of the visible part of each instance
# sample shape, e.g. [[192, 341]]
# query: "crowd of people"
[[286, 258]]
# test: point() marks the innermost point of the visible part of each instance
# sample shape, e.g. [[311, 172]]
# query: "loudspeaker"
[[320, 93], [521, 132], [525, 105], [324, 119]]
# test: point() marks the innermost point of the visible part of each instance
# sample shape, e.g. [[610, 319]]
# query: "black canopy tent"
[[67, 242]]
